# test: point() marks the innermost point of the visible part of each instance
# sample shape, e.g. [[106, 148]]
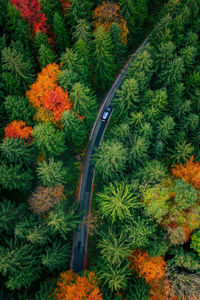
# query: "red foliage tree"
[[47, 95], [65, 4], [32, 12], [70, 286], [18, 129]]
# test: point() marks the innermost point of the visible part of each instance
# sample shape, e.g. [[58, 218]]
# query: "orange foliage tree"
[[190, 172], [71, 286], [108, 13], [18, 129], [47, 97], [65, 4]]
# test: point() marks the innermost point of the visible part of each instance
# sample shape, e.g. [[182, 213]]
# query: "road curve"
[[79, 247]]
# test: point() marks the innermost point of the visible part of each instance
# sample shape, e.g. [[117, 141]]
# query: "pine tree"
[[82, 31], [103, 61], [67, 78], [46, 55], [14, 150], [139, 150], [56, 256], [165, 128], [70, 61], [51, 173], [84, 102], [116, 201], [49, 140], [13, 62], [50, 8], [110, 160], [119, 48], [126, 97], [19, 108], [83, 51], [59, 28], [75, 129], [163, 54], [78, 9], [15, 177], [142, 63]]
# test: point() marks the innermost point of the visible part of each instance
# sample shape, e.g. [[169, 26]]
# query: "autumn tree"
[[71, 286], [108, 13], [45, 198], [49, 140], [104, 66], [19, 129]]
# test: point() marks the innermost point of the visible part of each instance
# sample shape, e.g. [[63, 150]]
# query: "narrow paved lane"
[[79, 248]]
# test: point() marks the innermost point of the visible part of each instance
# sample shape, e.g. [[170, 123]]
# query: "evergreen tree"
[[126, 97], [50, 8], [116, 201], [19, 108], [83, 51], [70, 61], [64, 219], [75, 129], [14, 150], [103, 60], [119, 48], [165, 128], [163, 54], [19, 262], [15, 177], [56, 256], [46, 55], [67, 78], [181, 152], [139, 150], [110, 160], [51, 173], [142, 63], [188, 54], [59, 28], [82, 31], [49, 140], [13, 62], [78, 9], [84, 102]]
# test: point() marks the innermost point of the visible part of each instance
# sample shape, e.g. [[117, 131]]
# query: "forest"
[[58, 59]]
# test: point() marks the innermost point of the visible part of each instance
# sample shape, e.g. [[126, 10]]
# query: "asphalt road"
[[79, 247]]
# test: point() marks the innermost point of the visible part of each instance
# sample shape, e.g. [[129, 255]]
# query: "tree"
[[82, 49], [182, 151], [72, 286], [142, 63], [46, 55], [152, 172], [59, 28], [67, 78], [103, 60], [186, 195], [51, 173], [118, 46], [195, 244], [49, 140], [64, 219], [77, 10], [152, 268], [189, 172], [50, 7], [172, 73], [18, 108], [75, 129], [15, 177], [127, 97], [14, 150], [19, 262], [9, 214], [108, 13], [188, 54], [84, 102], [117, 201], [163, 54], [110, 160], [18, 129], [44, 199], [82, 31], [187, 260], [56, 256], [165, 128], [138, 150], [13, 62], [178, 235], [113, 249]]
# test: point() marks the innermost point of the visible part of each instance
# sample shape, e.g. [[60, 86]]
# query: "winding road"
[[80, 241]]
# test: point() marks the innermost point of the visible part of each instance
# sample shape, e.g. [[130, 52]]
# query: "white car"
[[106, 114]]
